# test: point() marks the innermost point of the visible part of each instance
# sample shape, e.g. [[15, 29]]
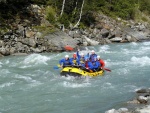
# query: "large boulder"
[[58, 40], [28, 41]]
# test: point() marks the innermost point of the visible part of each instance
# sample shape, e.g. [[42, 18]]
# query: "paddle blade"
[[55, 67], [107, 69], [68, 48]]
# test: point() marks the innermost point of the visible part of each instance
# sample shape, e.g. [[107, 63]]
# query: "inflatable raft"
[[79, 71]]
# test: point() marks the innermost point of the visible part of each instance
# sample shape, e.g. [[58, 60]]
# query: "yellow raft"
[[79, 71]]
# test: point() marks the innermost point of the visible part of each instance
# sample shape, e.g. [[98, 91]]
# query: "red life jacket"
[[101, 62]]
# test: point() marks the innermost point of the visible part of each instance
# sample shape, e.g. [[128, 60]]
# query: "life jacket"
[[101, 62], [67, 62], [74, 61], [82, 60], [94, 63], [92, 56]]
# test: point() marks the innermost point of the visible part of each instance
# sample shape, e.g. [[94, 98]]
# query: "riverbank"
[[26, 37], [140, 104]]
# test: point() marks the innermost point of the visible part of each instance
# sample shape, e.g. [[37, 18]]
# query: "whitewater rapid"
[[31, 84]]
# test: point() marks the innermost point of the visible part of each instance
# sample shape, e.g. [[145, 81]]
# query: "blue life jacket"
[[65, 62], [96, 65], [92, 56]]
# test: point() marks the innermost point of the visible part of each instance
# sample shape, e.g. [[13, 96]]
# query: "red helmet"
[[74, 55]]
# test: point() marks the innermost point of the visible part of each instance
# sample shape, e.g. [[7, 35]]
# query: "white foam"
[[134, 43], [6, 84], [146, 43], [26, 78], [142, 61], [104, 49], [35, 59], [75, 85]]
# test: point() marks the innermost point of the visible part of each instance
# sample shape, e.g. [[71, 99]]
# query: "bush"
[[51, 14], [64, 20]]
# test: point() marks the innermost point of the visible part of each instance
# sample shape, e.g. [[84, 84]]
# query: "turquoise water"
[[29, 84]]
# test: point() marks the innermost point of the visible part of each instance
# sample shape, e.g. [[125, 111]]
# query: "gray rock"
[[143, 91], [29, 41], [142, 99], [4, 51], [60, 39], [1, 43], [116, 39], [104, 33]]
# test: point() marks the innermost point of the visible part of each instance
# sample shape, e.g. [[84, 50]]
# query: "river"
[[29, 84]]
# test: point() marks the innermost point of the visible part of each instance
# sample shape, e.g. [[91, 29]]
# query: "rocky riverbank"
[[25, 38], [140, 104]]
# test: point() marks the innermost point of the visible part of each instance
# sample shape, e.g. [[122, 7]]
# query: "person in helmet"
[[92, 56], [74, 59], [101, 62], [96, 64], [66, 61], [81, 58], [88, 64]]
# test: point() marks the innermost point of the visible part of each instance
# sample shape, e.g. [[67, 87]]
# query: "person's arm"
[[102, 64], [61, 62], [90, 65], [70, 60], [78, 56]]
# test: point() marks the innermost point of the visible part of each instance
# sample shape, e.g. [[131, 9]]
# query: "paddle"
[[56, 67], [69, 48], [107, 69]]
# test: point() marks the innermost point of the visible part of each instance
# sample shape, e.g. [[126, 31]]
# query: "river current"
[[29, 84]]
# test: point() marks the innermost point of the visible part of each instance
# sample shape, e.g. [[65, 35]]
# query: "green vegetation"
[[125, 9]]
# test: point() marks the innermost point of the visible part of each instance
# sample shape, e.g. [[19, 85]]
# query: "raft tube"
[[79, 71]]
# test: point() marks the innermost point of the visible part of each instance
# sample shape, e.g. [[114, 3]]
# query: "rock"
[[19, 54], [143, 91], [112, 111], [4, 51], [60, 39], [135, 101], [116, 39], [91, 42], [35, 50], [123, 110], [108, 41], [85, 43], [129, 38], [29, 41], [1, 55], [1, 43], [30, 34], [104, 33], [12, 50], [145, 109], [142, 99]]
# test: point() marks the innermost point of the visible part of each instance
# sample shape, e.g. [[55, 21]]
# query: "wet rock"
[[143, 91], [142, 99]]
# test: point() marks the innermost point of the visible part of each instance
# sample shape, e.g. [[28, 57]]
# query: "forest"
[[75, 11]]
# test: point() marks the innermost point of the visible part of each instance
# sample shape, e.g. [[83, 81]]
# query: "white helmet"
[[66, 56], [82, 54], [98, 56], [93, 51]]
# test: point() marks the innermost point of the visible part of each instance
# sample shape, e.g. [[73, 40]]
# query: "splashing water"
[[30, 84]]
